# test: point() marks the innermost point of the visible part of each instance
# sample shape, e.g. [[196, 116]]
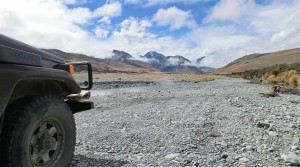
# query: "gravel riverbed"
[[218, 123]]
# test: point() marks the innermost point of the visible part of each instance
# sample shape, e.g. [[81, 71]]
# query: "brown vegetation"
[[284, 74]]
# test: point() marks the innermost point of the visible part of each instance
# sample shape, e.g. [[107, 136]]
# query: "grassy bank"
[[285, 74]]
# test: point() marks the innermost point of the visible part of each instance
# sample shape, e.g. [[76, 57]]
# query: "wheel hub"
[[45, 143]]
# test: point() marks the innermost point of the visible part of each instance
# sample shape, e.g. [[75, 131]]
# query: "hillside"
[[259, 61], [106, 65]]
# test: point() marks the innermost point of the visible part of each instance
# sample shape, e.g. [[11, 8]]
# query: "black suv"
[[38, 97]]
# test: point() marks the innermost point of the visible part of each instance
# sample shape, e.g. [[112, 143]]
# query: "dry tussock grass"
[[291, 78]]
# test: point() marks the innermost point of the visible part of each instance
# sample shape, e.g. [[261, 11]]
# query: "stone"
[[249, 148], [172, 156], [82, 164], [265, 125], [229, 160], [272, 133], [296, 140], [271, 128], [292, 158], [243, 160], [224, 156], [259, 149], [294, 148], [77, 158], [271, 149], [293, 126]]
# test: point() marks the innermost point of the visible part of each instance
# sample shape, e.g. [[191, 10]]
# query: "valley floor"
[[217, 123]]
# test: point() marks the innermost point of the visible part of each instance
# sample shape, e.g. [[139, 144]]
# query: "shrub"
[[276, 79], [279, 73], [293, 80]]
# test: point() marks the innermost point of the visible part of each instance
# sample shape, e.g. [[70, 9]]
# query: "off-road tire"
[[32, 127]]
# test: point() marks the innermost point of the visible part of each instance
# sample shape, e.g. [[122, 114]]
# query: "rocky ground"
[[218, 123]]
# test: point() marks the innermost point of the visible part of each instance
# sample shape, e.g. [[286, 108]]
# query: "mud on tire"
[[37, 131]]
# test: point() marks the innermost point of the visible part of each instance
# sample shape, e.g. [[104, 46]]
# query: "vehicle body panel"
[[20, 49], [11, 75]]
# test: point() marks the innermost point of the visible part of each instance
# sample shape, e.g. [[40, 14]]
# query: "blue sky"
[[221, 30], [140, 9]]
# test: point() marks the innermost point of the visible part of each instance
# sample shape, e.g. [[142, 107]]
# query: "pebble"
[[243, 160], [265, 125], [82, 164], [272, 133], [293, 126], [229, 160], [172, 156], [294, 148], [224, 155], [249, 148], [291, 158]]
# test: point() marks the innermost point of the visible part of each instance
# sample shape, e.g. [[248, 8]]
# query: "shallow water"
[[165, 86], [113, 91]]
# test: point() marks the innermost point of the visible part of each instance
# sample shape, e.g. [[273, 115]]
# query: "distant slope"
[[258, 61], [106, 65]]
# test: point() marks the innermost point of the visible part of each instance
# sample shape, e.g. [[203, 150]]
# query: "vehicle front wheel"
[[38, 132]]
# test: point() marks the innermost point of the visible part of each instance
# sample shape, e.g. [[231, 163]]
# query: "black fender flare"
[[11, 75]]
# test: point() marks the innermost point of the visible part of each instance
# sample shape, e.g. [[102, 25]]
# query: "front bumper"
[[79, 106], [79, 102]]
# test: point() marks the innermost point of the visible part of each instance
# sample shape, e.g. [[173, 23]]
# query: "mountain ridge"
[[259, 61], [106, 65], [121, 61]]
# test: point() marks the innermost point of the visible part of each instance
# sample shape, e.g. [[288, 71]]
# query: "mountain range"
[[171, 64], [120, 61]]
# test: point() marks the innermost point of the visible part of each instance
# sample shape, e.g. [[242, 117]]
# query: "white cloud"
[[105, 20], [149, 3], [69, 1], [79, 15], [113, 9], [133, 37], [132, 1], [231, 10], [132, 29], [72, 2], [163, 2], [48, 24], [174, 17], [101, 33], [268, 28]]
